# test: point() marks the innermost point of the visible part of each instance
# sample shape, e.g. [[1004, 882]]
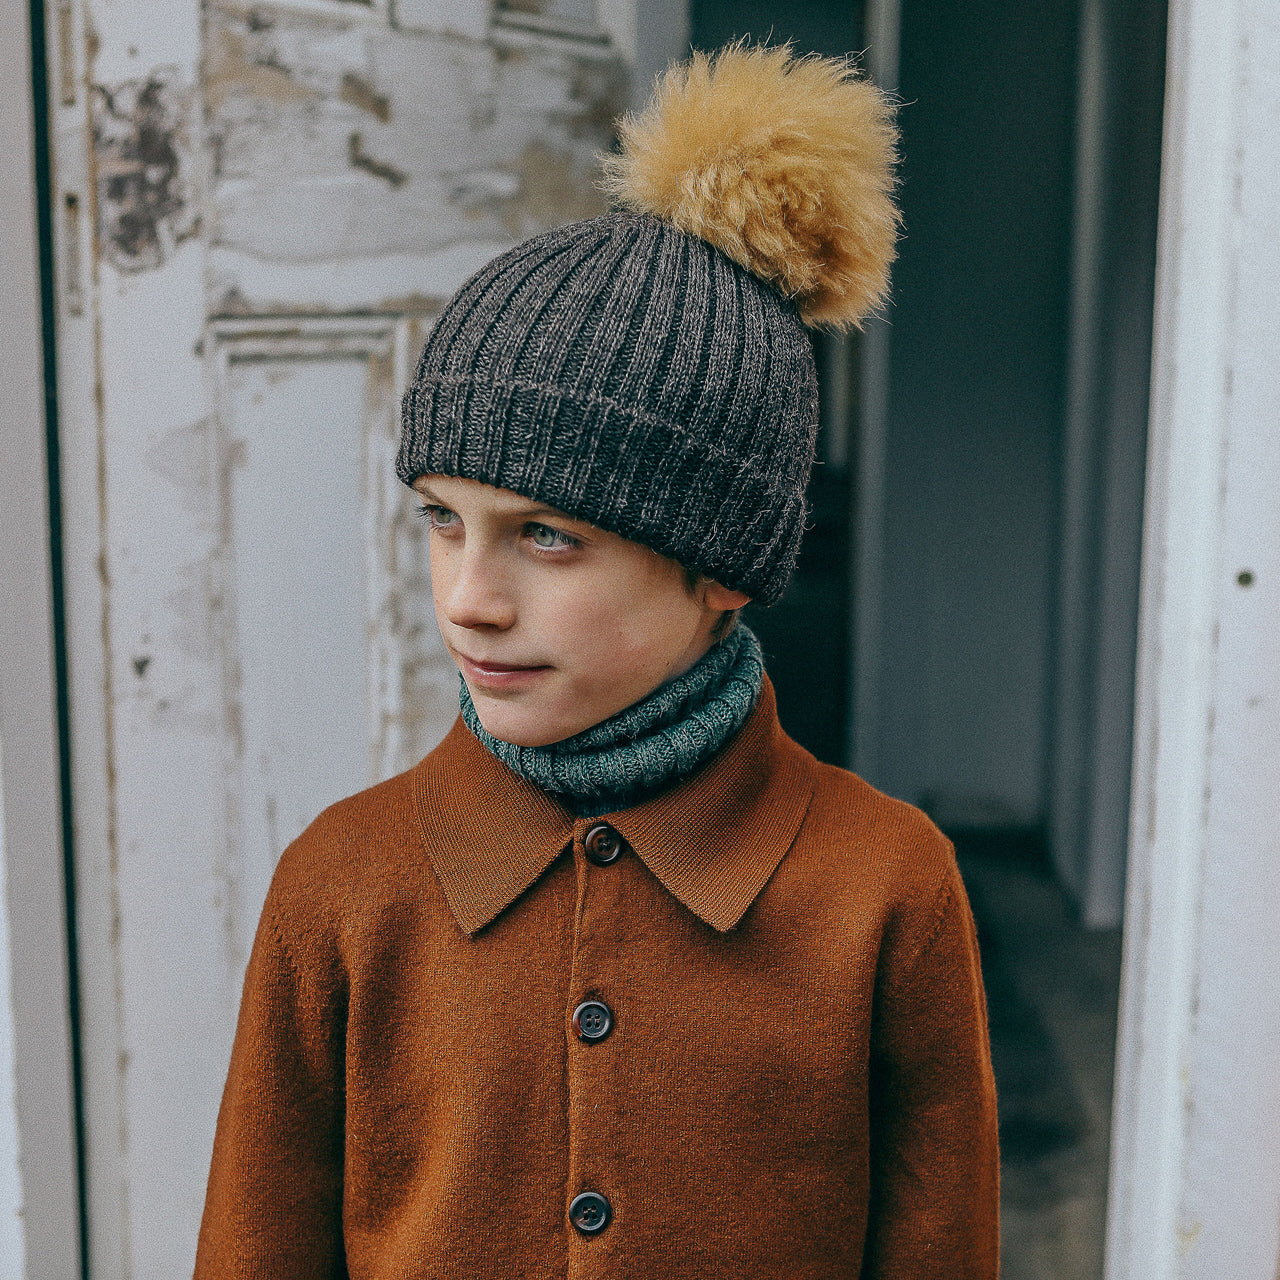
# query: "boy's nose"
[[475, 595]]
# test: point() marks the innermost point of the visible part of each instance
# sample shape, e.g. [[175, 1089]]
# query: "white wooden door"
[[259, 210]]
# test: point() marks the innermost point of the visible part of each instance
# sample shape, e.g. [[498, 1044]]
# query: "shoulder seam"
[[287, 952], [942, 901], [285, 949]]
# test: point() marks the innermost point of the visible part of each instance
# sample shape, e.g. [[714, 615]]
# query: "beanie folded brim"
[[640, 476]]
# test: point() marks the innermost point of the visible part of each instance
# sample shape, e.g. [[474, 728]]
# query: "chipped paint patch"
[[360, 93], [359, 158], [1189, 1236], [139, 157], [248, 65], [554, 186]]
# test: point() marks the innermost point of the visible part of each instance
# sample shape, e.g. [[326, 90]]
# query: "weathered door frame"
[[150, 303], [1195, 1189], [39, 1213]]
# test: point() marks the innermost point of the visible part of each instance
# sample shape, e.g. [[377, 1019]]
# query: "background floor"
[[1052, 991]]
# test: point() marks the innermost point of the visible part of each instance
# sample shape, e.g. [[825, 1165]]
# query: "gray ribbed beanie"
[[627, 369], [631, 376]]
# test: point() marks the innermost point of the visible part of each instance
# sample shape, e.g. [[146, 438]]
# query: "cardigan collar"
[[713, 840]]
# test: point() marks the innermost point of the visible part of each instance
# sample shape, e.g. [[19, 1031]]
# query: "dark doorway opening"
[[1013, 432]]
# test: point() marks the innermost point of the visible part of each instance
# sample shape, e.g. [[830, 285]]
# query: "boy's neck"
[[652, 744]]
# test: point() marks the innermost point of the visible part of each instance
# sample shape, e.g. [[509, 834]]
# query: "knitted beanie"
[[650, 371]]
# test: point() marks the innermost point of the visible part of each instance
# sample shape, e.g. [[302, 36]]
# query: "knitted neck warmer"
[[650, 745]]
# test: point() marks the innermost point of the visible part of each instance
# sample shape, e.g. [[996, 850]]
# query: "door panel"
[[260, 210], [333, 670]]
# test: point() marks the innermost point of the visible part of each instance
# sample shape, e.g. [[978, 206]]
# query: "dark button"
[[602, 844], [592, 1020], [590, 1213]]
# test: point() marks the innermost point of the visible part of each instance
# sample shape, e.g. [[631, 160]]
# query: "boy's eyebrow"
[[533, 509]]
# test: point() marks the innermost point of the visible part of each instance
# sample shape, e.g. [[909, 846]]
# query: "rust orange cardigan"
[[796, 1085]]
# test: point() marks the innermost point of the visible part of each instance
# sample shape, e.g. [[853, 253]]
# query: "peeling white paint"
[[141, 156], [462, 119], [279, 199], [13, 1244]]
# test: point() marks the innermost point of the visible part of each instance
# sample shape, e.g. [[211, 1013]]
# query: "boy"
[[619, 980]]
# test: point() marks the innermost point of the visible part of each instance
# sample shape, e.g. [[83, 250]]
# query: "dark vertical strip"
[[808, 633], [44, 226]]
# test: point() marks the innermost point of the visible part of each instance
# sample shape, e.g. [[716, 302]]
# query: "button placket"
[[592, 1026]]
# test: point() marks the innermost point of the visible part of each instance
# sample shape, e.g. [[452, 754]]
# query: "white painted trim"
[[661, 37], [37, 1164], [883, 31], [883, 22], [618, 20], [1184, 504], [340, 10], [553, 37]]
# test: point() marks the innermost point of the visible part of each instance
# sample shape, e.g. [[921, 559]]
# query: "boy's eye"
[[439, 517], [550, 539]]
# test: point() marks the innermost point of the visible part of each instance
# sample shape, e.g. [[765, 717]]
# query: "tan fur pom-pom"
[[785, 164]]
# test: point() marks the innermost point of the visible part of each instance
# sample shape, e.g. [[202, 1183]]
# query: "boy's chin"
[[518, 726]]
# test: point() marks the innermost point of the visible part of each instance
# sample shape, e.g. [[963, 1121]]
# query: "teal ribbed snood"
[[652, 744]]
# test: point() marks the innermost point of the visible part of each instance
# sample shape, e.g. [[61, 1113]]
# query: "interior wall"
[[974, 420], [821, 26]]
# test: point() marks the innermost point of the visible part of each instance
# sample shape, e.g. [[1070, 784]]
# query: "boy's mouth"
[[497, 675]]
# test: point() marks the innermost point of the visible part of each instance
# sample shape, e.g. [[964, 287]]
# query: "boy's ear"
[[725, 599]]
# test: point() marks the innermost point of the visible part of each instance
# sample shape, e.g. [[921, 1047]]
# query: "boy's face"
[[554, 623]]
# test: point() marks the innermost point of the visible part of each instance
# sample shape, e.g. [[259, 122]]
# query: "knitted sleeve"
[[274, 1204], [934, 1207]]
